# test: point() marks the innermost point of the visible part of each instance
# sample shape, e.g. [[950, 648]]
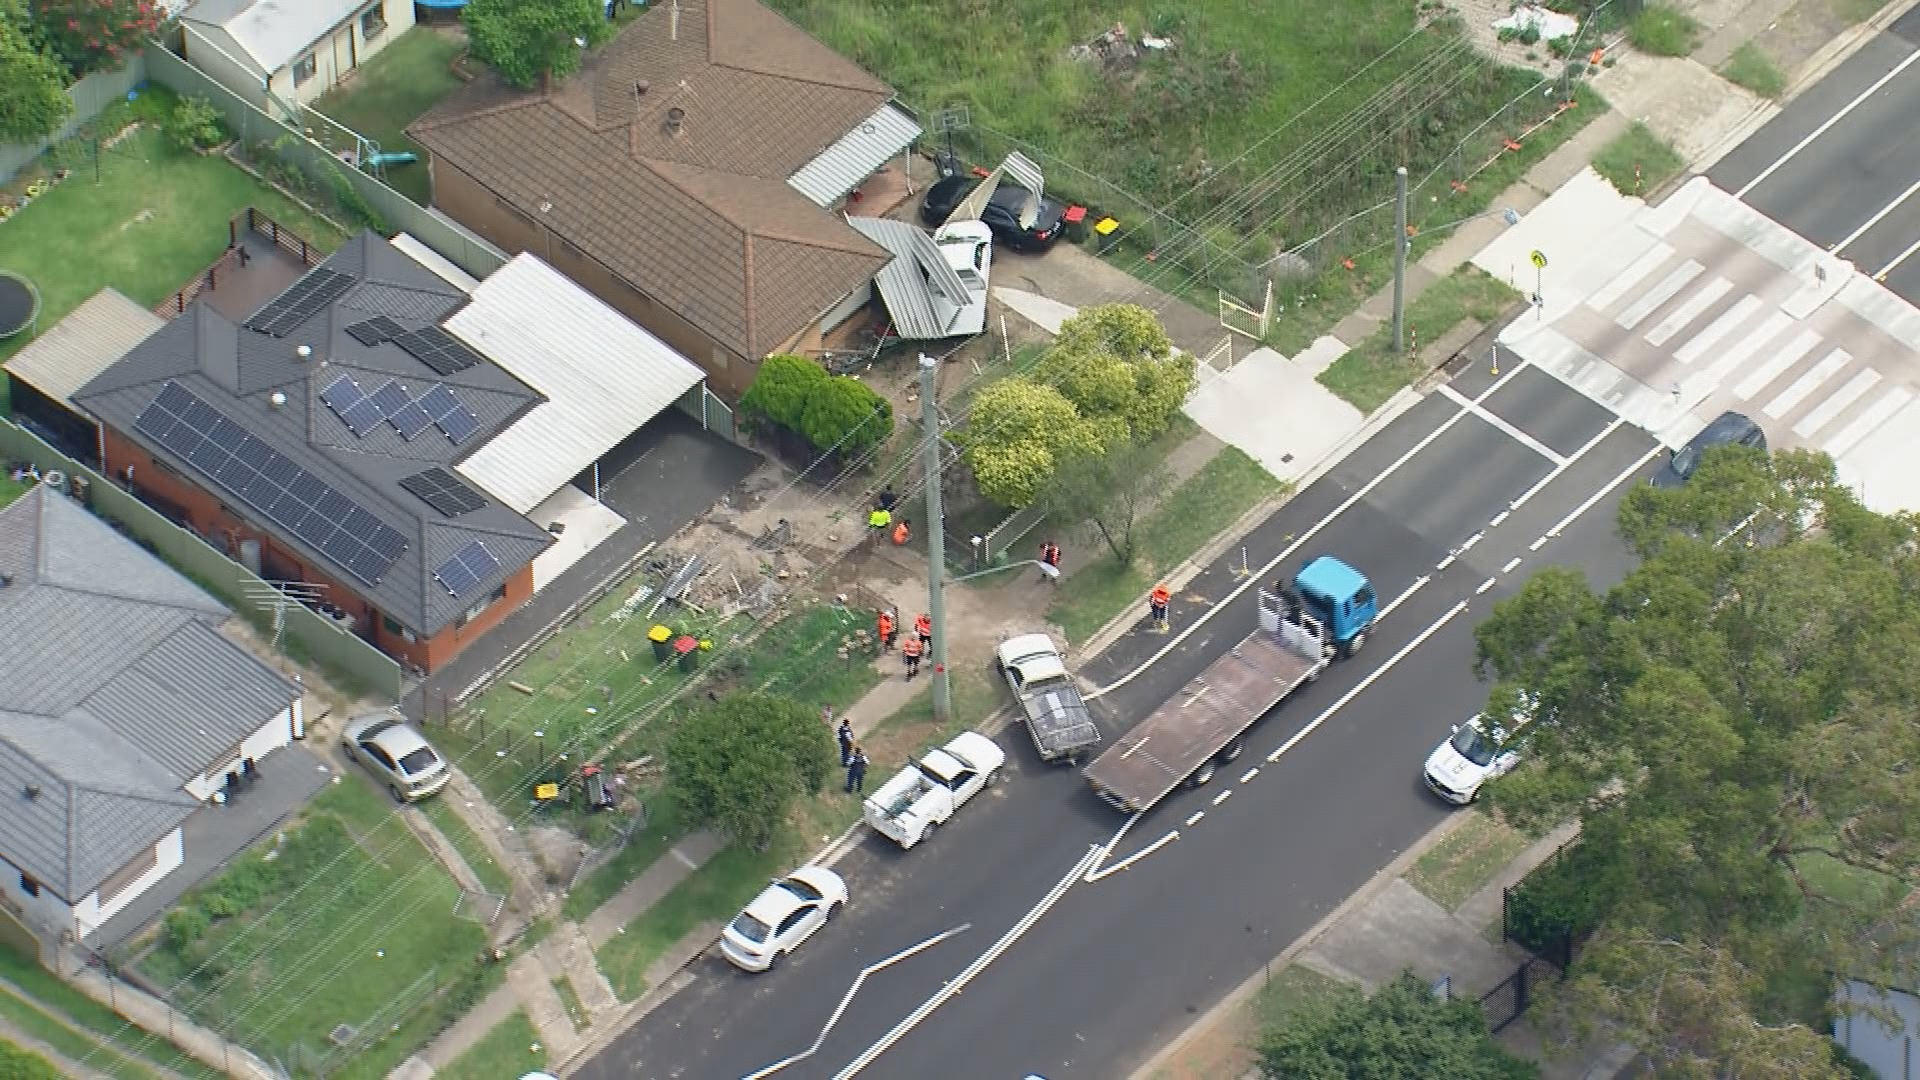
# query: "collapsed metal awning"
[[922, 293], [1024, 174]]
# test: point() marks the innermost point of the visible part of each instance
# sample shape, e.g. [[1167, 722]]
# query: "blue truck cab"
[[1342, 599]]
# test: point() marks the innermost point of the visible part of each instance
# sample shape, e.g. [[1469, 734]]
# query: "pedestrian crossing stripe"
[[1829, 410], [1684, 315], [1719, 328], [1776, 365], [1829, 366], [1868, 422], [1628, 278], [1657, 297], [1731, 358]]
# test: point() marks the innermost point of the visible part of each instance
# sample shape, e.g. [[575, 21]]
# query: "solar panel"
[[411, 420], [444, 492], [467, 568], [459, 425], [438, 401], [271, 483], [438, 349], [301, 301], [373, 331], [342, 394], [390, 397], [363, 417]]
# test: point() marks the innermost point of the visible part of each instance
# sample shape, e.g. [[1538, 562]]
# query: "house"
[[1880, 1026], [690, 176], [281, 53], [42, 377], [123, 708], [402, 451]]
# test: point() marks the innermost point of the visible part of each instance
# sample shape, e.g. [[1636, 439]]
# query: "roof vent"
[[304, 352], [640, 88], [5, 580], [33, 791], [676, 118], [277, 399]]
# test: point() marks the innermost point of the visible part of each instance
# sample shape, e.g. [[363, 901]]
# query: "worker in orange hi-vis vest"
[[923, 628], [911, 650], [883, 626], [902, 532], [1157, 603]]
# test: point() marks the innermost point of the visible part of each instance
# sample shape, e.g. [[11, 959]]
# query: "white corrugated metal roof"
[[273, 32], [922, 293], [854, 156], [87, 342], [603, 378], [442, 266]]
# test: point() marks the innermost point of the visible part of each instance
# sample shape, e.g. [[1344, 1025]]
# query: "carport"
[[92, 338], [603, 377], [922, 293]]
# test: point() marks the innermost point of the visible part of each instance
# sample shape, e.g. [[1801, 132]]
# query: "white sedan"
[[1472, 755], [780, 918], [967, 247]]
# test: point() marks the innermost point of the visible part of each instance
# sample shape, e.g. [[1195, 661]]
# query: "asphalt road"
[[1840, 165], [1084, 979]]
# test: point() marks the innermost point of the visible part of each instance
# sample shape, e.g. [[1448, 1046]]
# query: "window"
[[480, 608], [304, 69], [29, 886], [123, 880], [391, 627], [373, 23]]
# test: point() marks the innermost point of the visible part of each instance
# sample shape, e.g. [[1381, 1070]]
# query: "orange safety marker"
[[1457, 186], [1348, 263], [1596, 56], [1512, 145]]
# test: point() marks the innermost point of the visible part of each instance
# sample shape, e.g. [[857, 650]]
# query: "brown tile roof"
[[701, 219]]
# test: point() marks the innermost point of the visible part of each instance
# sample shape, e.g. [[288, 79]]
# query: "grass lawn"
[[76, 1010], [1191, 514], [390, 91], [1370, 373], [1749, 67], [11, 489], [1637, 161], [1469, 857], [493, 877], [664, 829], [1663, 31], [157, 217], [1290, 988], [342, 919], [507, 1050]]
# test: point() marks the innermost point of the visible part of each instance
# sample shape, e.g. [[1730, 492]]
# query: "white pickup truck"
[[1057, 717], [927, 792]]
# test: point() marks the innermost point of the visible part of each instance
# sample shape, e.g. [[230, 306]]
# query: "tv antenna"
[[274, 596]]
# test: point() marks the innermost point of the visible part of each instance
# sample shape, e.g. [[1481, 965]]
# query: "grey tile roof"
[[236, 371], [116, 688]]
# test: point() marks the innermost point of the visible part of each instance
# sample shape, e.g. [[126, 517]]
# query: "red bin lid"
[[685, 644], [1075, 215]]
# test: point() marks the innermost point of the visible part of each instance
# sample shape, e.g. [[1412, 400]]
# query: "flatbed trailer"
[[1202, 726]]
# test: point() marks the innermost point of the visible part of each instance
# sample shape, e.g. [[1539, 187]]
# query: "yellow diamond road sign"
[[1540, 260]]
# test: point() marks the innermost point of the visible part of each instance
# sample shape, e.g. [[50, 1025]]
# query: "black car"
[[1002, 214], [1731, 429]]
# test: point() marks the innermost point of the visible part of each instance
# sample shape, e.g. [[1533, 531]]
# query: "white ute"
[[927, 792], [1057, 716]]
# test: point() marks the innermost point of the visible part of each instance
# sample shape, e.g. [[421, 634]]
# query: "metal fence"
[[90, 96], [306, 167], [346, 659]]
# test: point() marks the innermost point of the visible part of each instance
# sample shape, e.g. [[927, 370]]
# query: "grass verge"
[[493, 877], [11, 489], [1637, 161], [70, 1043], [1463, 863], [507, 1050], [156, 217], [390, 91], [1370, 373], [50, 993], [664, 829], [1663, 31], [709, 895], [342, 919], [1191, 514], [1749, 67], [1290, 988], [570, 1001]]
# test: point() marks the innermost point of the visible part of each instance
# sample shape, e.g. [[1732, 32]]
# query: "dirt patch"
[[1792, 39], [557, 851]]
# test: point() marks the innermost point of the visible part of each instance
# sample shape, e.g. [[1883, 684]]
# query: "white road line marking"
[[1498, 518], [1829, 366], [683, 859], [1537, 544], [1730, 358], [1096, 875], [1881, 274], [1611, 293], [1499, 422], [1469, 542], [1655, 298], [1695, 306], [1485, 585], [1697, 346], [1250, 774], [1562, 467], [1195, 819], [1625, 474], [858, 980], [1511, 563], [1776, 364], [972, 972], [1876, 219], [1868, 422], [1418, 584], [1830, 121], [1287, 552], [1446, 562], [1825, 412], [1223, 797]]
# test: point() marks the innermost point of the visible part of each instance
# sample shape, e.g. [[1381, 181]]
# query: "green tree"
[[18, 1064], [739, 762], [1110, 489], [194, 124], [1734, 726], [528, 40], [1402, 1031], [1117, 366], [95, 35], [33, 88], [1016, 434]]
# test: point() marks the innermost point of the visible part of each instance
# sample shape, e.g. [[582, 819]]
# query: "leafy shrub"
[[835, 414], [184, 926], [1569, 895], [194, 124], [1663, 31]]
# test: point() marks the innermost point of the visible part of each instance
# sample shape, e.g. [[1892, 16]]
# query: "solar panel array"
[[438, 406], [354, 406], [306, 507], [437, 349], [444, 492], [376, 330], [303, 300], [467, 568]]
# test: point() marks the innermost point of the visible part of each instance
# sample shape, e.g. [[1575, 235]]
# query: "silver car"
[[398, 755]]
